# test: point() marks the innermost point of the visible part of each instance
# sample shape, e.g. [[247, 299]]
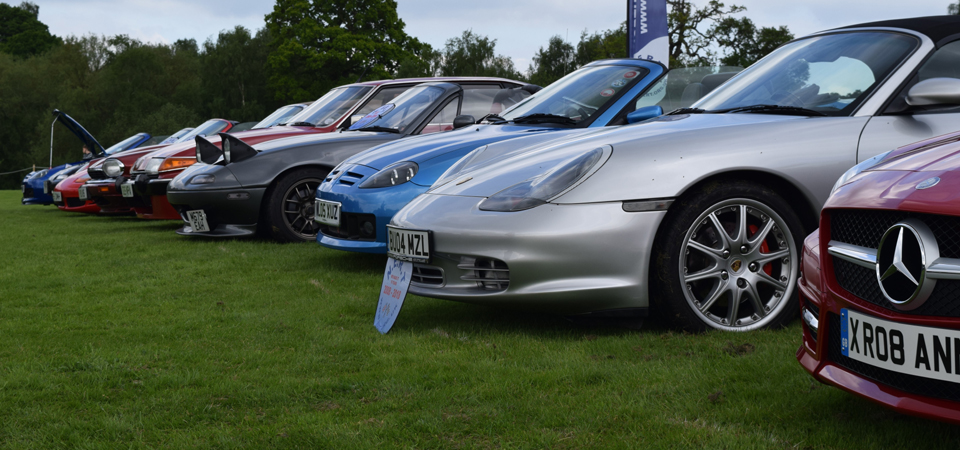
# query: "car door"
[[900, 124]]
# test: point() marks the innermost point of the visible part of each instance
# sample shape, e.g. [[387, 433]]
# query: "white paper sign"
[[396, 280]]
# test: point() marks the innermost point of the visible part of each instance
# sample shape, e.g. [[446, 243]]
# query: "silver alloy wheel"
[[738, 265], [298, 207]]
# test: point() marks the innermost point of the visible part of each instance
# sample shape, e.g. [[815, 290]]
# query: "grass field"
[[116, 332]]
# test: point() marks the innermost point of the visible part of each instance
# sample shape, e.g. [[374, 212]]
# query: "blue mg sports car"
[[360, 196]]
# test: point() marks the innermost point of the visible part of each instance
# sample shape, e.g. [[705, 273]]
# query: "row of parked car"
[[625, 189]]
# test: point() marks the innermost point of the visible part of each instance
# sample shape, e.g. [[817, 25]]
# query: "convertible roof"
[[937, 28]]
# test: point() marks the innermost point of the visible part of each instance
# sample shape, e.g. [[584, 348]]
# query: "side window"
[[478, 101], [443, 120], [386, 95], [944, 63]]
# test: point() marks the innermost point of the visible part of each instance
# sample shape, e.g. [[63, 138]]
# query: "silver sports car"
[[699, 212]]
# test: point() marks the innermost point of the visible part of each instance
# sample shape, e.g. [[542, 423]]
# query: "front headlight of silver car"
[[857, 169], [112, 168], [392, 175], [541, 189]]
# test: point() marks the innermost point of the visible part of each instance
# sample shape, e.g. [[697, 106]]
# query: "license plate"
[[23, 189], [57, 196], [396, 281], [198, 221], [126, 189], [902, 348], [83, 193], [46, 188], [327, 213], [408, 245]]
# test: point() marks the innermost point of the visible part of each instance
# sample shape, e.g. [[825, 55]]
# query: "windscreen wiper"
[[493, 118], [378, 128], [686, 111], [781, 109], [544, 118], [301, 124]]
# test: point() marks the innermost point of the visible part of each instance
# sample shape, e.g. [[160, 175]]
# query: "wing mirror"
[[935, 91], [207, 153], [463, 121], [647, 112], [235, 150]]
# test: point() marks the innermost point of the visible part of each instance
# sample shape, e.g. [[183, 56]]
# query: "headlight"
[[138, 165], [112, 168], [855, 170], [169, 164], [392, 175], [539, 190], [203, 179], [454, 171], [153, 166]]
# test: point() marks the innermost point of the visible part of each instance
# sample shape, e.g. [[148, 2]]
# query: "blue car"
[[34, 188], [360, 196]]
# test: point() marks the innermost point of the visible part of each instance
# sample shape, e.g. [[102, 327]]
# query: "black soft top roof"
[[937, 28]]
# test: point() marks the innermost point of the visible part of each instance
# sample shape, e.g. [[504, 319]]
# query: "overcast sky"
[[520, 27]]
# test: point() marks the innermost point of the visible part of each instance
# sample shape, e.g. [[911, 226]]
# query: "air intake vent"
[[490, 274], [427, 275]]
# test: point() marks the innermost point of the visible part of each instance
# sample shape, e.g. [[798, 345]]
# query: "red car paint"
[[889, 187], [70, 200], [159, 208]]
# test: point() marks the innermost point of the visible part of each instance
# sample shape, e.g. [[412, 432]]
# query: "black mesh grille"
[[74, 202], [862, 282], [866, 227], [27, 192], [357, 227], [427, 275], [910, 384]]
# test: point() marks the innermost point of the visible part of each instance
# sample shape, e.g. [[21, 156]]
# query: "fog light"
[[812, 322], [367, 229]]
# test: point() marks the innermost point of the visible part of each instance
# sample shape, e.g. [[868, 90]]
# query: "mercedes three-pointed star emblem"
[[905, 251], [897, 264]]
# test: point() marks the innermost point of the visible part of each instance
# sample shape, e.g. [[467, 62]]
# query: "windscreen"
[[409, 106], [831, 74], [207, 128], [331, 107], [684, 86], [123, 144], [580, 95], [279, 116]]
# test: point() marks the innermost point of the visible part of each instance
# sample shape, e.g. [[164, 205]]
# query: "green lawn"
[[116, 332]]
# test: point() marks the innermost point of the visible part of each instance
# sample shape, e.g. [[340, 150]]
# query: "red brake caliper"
[[764, 248]]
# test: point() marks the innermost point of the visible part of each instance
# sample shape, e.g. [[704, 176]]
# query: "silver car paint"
[[662, 159]]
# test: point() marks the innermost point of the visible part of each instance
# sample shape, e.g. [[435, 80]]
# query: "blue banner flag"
[[647, 30]]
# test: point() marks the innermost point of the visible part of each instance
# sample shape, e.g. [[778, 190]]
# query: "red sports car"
[[145, 188], [103, 188], [880, 283]]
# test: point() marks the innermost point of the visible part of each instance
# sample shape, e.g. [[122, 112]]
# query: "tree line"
[[117, 86]]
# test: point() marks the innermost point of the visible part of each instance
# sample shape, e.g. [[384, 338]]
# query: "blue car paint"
[[33, 181], [434, 154]]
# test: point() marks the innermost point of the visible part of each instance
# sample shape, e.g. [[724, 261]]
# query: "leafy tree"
[[689, 30], [21, 32], [602, 45], [475, 55], [233, 74], [319, 44], [552, 63], [954, 8], [422, 62], [743, 43]]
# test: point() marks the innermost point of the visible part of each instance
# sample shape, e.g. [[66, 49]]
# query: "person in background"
[[87, 155]]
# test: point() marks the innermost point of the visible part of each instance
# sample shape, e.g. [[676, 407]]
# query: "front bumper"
[[106, 194], [226, 217], [359, 206], [33, 193], [820, 355], [568, 259]]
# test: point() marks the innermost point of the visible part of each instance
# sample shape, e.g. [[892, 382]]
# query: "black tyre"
[[727, 257], [289, 206]]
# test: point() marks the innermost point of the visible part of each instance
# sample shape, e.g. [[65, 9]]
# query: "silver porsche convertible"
[[697, 215]]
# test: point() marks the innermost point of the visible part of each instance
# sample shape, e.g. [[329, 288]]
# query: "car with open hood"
[[880, 285], [37, 185], [103, 189], [699, 214], [357, 201], [146, 184], [271, 186]]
